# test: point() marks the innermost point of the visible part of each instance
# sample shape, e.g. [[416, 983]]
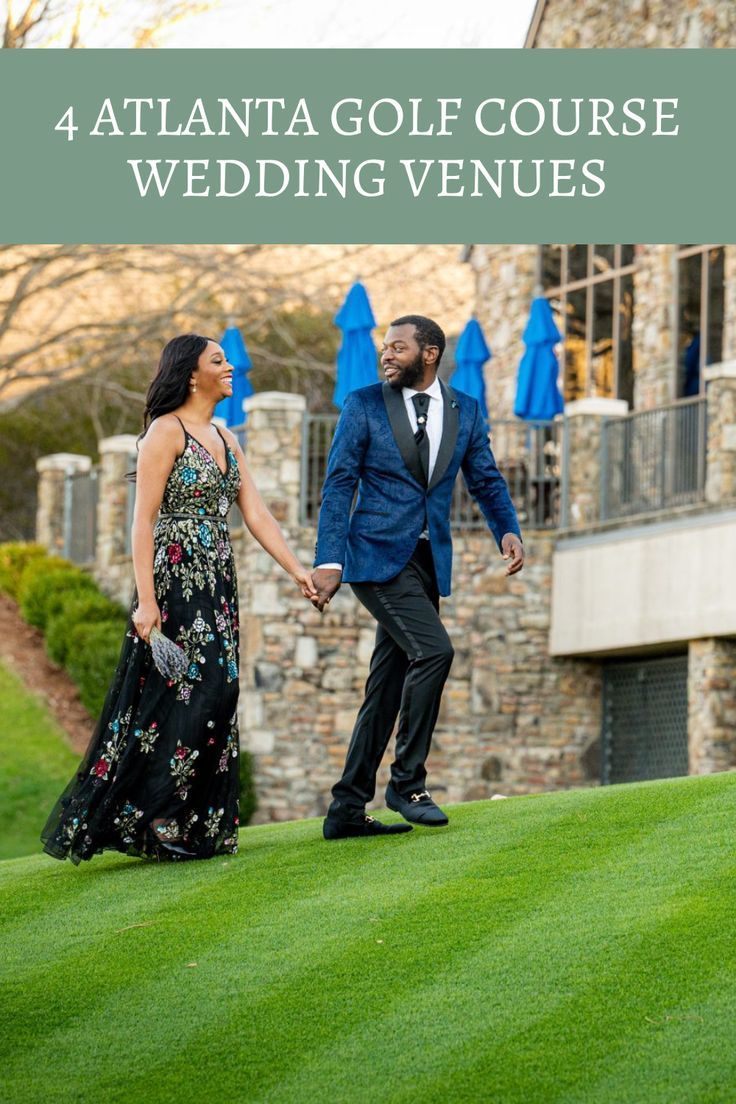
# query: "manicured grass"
[[35, 765], [576, 947]]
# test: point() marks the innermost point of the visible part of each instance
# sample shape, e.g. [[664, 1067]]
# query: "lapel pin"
[[453, 404]]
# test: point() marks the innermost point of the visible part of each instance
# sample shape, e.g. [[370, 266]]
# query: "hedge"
[[14, 558], [77, 609], [83, 630]]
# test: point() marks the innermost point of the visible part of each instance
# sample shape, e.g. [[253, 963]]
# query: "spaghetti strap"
[[186, 433]]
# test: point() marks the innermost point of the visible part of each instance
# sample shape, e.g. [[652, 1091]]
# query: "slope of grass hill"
[[576, 948]]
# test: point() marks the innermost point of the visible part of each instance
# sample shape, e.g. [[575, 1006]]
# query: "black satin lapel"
[[402, 431], [450, 427]]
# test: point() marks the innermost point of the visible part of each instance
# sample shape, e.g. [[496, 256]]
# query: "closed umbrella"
[[356, 360], [231, 409], [538, 396], [471, 353]]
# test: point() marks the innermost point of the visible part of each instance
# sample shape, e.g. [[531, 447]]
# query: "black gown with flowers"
[[160, 776]]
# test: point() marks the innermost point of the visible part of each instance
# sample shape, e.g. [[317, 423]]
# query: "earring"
[[193, 386]]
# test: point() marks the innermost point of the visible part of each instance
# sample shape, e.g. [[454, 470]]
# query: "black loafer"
[[419, 808], [337, 828]]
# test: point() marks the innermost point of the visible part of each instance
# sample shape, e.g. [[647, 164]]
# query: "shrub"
[[45, 587], [77, 609], [14, 558], [248, 799], [92, 654]]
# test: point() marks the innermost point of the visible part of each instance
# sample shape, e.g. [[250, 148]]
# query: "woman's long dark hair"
[[169, 388]]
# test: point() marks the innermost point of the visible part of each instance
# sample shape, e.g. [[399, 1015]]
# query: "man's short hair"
[[427, 331]]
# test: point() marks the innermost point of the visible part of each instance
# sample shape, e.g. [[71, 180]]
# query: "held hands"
[[145, 617], [304, 581], [327, 582], [513, 549]]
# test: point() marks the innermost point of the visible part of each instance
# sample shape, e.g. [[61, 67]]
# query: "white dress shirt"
[[433, 429]]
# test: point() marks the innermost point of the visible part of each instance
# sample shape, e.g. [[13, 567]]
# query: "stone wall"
[[570, 24], [505, 283], [712, 705]]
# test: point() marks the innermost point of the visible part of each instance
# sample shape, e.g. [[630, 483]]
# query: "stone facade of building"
[[585, 24], [507, 280]]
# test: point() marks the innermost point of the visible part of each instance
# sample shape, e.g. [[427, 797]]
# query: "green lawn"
[[35, 765], [576, 947]]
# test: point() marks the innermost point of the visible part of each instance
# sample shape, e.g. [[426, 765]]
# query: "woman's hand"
[[303, 580], [146, 616]]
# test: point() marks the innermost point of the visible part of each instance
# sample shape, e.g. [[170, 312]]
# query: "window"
[[699, 313], [591, 288]]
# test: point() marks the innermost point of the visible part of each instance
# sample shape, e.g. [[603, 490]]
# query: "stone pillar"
[[506, 276], [729, 305], [720, 481], [274, 449], [653, 330], [581, 466], [51, 510], [117, 457], [711, 696]]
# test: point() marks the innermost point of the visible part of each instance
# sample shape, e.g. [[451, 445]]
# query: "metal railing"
[[80, 516], [654, 460], [528, 455]]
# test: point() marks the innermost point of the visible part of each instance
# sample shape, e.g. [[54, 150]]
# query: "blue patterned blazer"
[[374, 450]]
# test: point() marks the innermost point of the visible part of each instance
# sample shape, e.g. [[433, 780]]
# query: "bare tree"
[[76, 23]]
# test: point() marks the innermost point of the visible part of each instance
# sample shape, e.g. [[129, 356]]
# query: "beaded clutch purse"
[[169, 659]]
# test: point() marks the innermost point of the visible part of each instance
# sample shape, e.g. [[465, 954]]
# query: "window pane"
[[714, 321], [688, 325], [551, 266], [602, 370], [602, 259], [575, 348], [627, 255], [625, 357], [577, 262]]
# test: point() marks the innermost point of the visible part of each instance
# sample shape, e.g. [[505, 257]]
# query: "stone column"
[[581, 466], [729, 305], [711, 696], [274, 449], [720, 481], [653, 330], [506, 276], [51, 509], [117, 457]]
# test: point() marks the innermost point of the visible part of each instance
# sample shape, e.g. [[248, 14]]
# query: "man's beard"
[[409, 376]]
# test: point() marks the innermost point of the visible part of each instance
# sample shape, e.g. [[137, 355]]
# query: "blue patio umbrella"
[[231, 408], [356, 360], [538, 396], [471, 353]]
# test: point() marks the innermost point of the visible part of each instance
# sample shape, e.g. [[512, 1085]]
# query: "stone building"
[[586, 24]]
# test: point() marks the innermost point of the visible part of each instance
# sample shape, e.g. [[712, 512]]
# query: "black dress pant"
[[409, 666]]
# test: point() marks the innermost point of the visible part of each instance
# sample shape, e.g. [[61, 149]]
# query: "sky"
[[378, 24]]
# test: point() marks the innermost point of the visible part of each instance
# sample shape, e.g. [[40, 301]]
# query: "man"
[[401, 444]]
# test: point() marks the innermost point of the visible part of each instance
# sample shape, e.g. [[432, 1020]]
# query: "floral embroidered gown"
[[162, 765]]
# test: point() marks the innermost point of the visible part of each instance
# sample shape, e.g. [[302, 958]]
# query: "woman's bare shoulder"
[[164, 433], [230, 437]]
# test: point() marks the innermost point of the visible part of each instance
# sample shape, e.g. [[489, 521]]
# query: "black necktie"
[[421, 405]]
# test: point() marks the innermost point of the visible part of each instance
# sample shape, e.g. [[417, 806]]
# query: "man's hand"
[[327, 582], [513, 549]]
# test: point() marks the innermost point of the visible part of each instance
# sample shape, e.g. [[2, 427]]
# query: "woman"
[[160, 777]]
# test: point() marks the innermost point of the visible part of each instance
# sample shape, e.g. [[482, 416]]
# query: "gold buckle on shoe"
[[419, 796]]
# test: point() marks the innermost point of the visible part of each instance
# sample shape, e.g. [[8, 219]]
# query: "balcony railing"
[[528, 455], [654, 460]]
